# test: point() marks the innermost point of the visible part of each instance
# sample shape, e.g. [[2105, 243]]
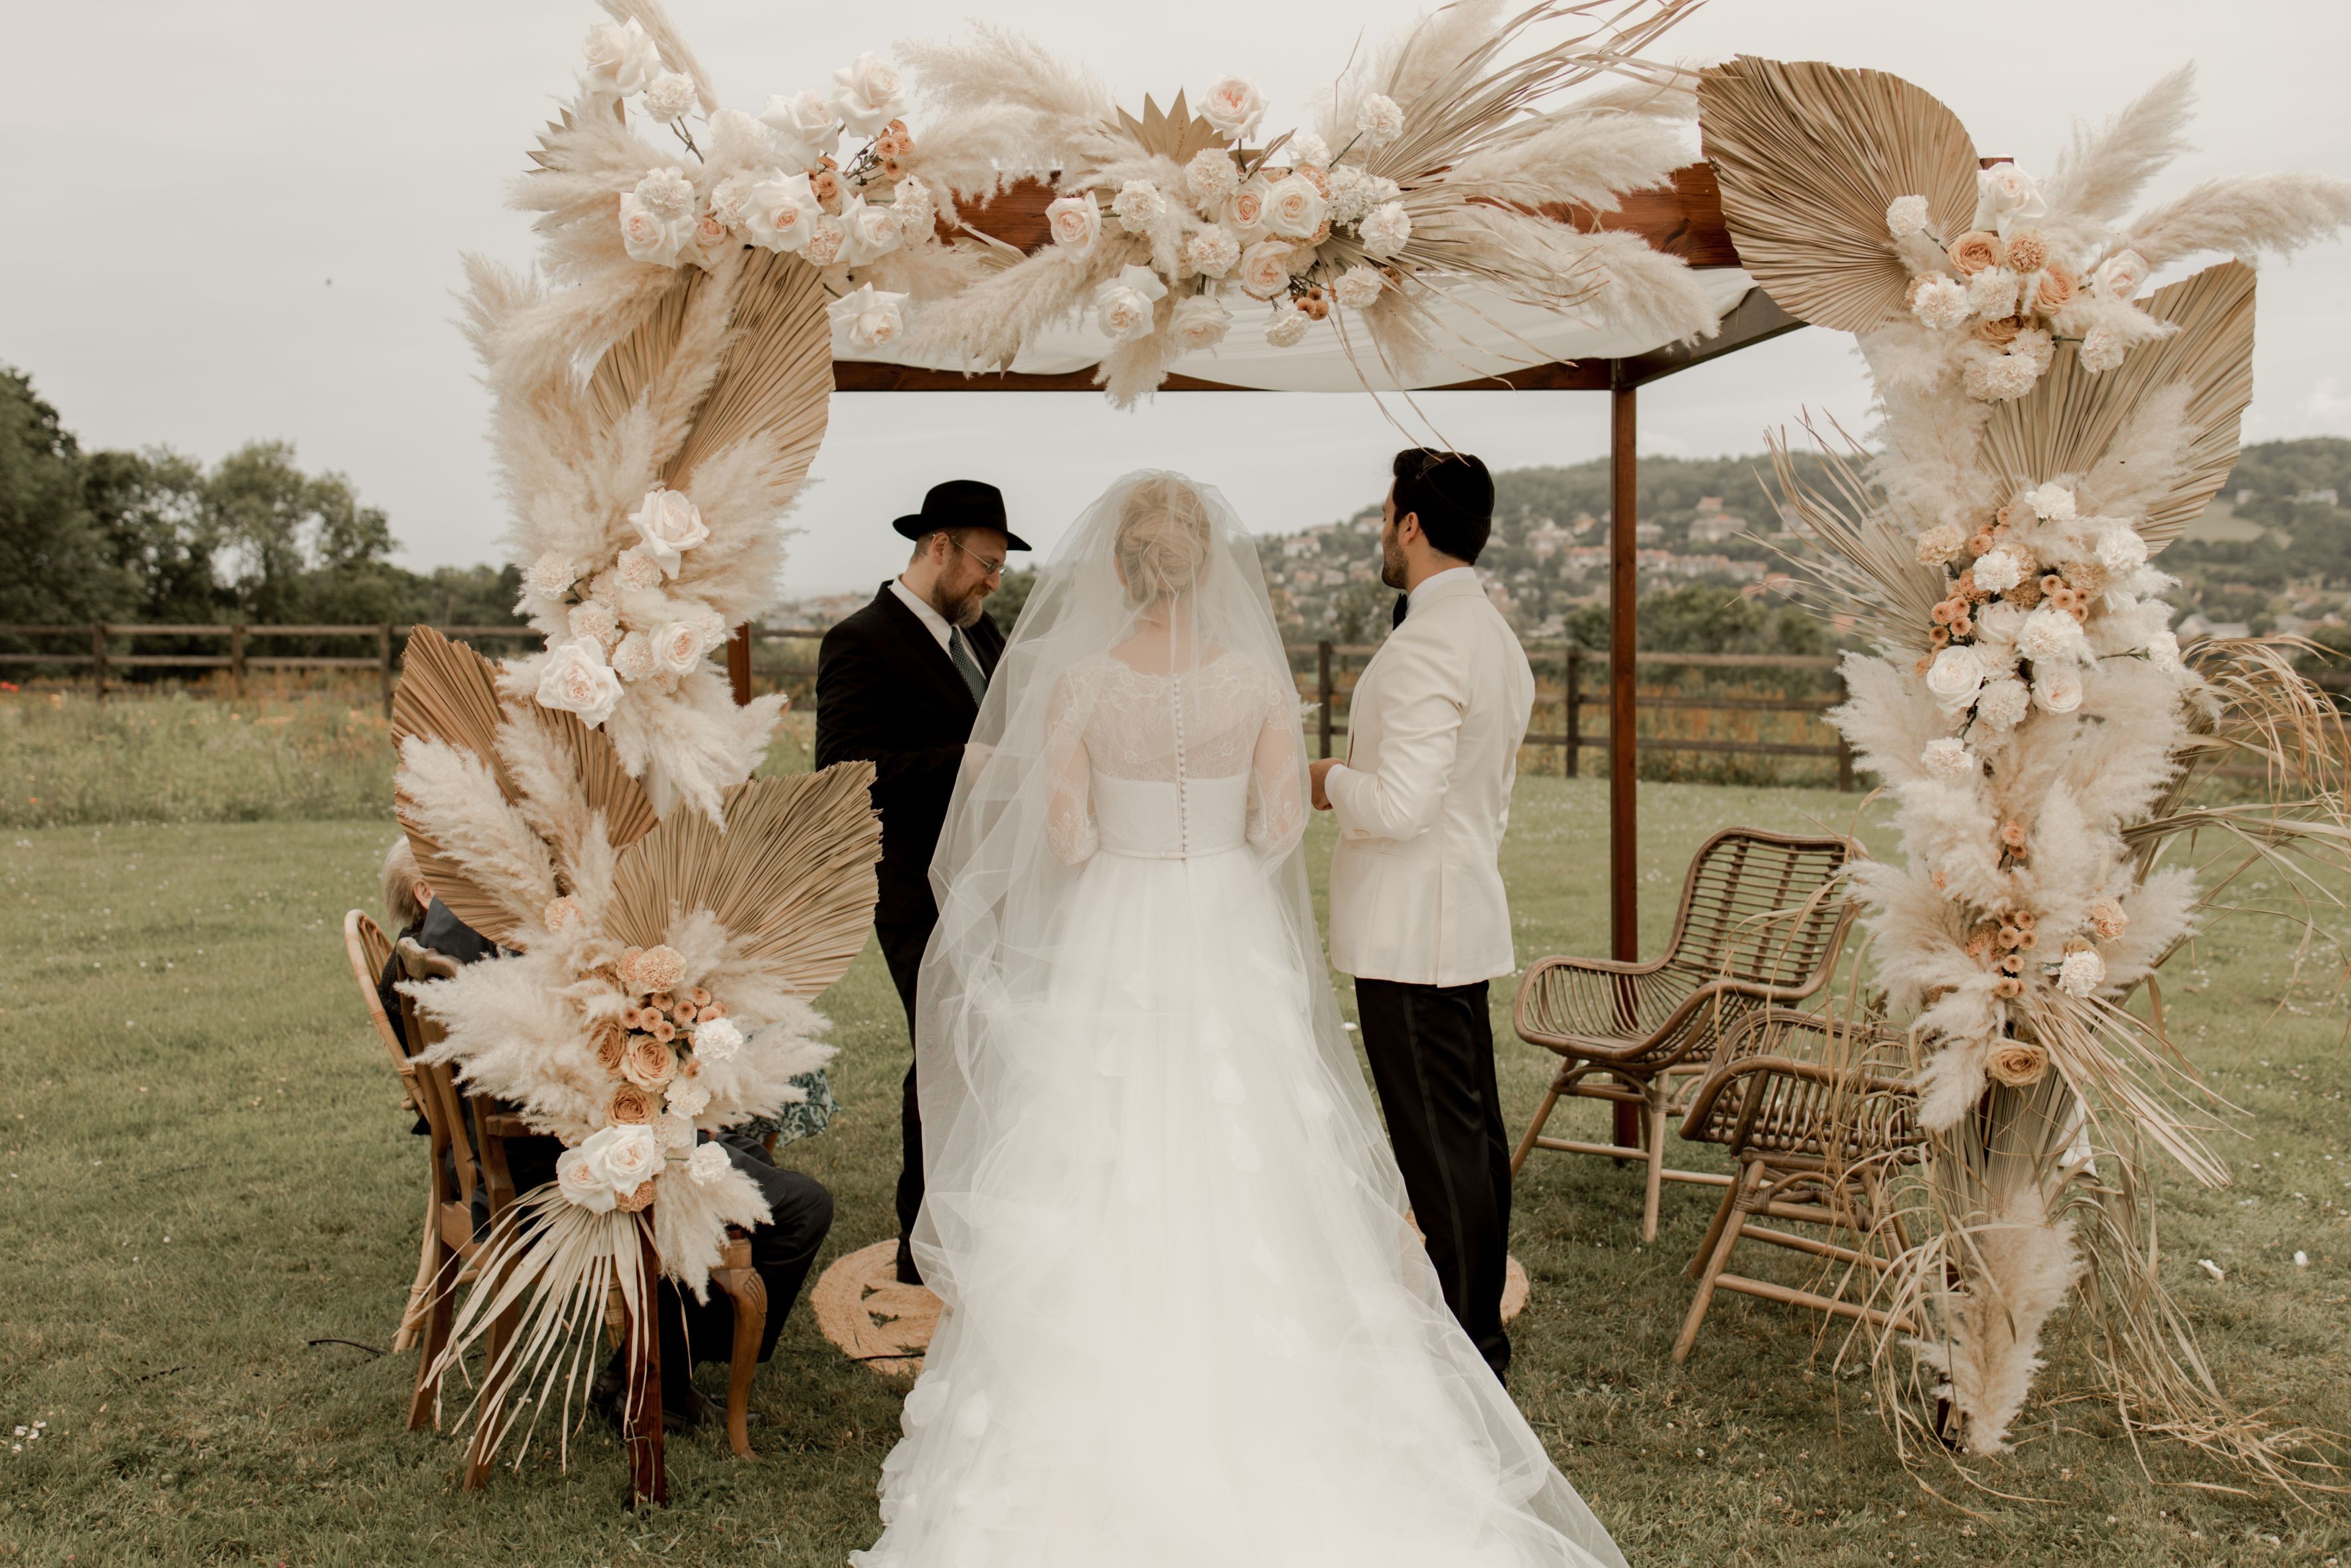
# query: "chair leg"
[[1729, 1221], [433, 1336], [1654, 1110], [749, 1293], [411, 1314], [1542, 1115]]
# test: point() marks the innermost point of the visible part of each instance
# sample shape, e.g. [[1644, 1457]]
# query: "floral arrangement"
[[2045, 432], [1428, 166]]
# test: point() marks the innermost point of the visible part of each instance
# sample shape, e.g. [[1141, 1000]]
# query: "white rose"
[[2082, 973], [1288, 327], [871, 319], [1075, 222], [2052, 502], [873, 232], [2121, 274], [2006, 192], [1378, 119], [867, 94], [1199, 322], [1309, 151], [2003, 703], [2049, 635], [1138, 205], [687, 1097], [806, 126], [717, 1041], [1123, 306], [629, 1155], [2057, 690], [667, 194], [1359, 287], [1233, 106], [1210, 177], [634, 660], [707, 1164], [1999, 571], [677, 647], [1212, 251], [668, 96], [669, 524], [1905, 215], [917, 210], [1948, 757], [1385, 230], [1940, 544], [1955, 677], [1939, 302], [648, 237], [577, 680], [2163, 649], [580, 1181], [1294, 207], [780, 212], [621, 57], [1265, 270], [1997, 624], [2122, 549]]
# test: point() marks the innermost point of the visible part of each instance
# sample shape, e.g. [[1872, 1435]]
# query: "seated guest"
[[782, 1251]]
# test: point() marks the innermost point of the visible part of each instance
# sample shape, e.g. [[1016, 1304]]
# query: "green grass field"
[[206, 1173]]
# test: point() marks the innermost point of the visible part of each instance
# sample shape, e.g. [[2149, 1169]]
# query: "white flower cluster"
[[631, 624], [2003, 295]]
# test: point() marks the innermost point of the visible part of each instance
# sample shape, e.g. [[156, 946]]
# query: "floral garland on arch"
[[2045, 432]]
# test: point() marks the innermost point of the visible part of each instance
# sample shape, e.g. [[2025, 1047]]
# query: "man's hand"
[[1317, 772]]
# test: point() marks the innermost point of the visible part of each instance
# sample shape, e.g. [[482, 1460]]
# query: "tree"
[[298, 548], [156, 512], [55, 563]]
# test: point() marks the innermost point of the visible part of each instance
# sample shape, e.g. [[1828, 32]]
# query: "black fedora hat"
[[961, 504]]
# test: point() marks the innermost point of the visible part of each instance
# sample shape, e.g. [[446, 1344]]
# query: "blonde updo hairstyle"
[[1163, 542]]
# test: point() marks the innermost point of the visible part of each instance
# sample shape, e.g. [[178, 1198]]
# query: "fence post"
[[98, 657], [1574, 708], [1323, 690], [383, 659], [237, 659], [1844, 752]]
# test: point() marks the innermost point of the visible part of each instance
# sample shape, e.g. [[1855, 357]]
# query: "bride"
[[1188, 1323]]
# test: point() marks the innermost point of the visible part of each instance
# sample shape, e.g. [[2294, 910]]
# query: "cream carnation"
[[1387, 230], [806, 128], [1265, 271], [1955, 677], [2050, 634], [667, 194], [1309, 151], [668, 96], [637, 568], [1359, 287], [578, 1179], [867, 94], [707, 1164], [2036, 345], [717, 1039], [1998, 572], [1125, 306], [1075, 222], [1287, 329], [621, 57], [2100, 349], [2057, 690], [826, 240], [916, 208], [596, 622], [1939, 302], [1200, 321], [634, 659], [1210, 177], [2050, 503], [1905, 215], [551, 575], [669, 524], [1992, 293], [657, 969], [687, 1097], [1212, 251], [2003, 377], [2003, 703], [2163, 649], [781, 211], [1351, 195], [2122, 549], [1940, 544], [1378, 119], [1138, 205], [1294, 207], [1947, 757], [648, 237], [577, 680], [1234, 106], [2082, 973]]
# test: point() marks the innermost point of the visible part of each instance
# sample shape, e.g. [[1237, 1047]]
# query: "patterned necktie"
[[1402, 606], [959, 654]]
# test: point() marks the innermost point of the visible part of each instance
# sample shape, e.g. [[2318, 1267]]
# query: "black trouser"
[[1432, 1053], [902, 948]]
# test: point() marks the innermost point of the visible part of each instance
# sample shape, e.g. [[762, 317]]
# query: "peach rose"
[[2000, 332], [2106, 918], [630, 1106], [1975, 251], [650, 1063], [2027, 251], [2053, 291], [611, 1044], [559, 913], [2017, 1062], [1265, 269]]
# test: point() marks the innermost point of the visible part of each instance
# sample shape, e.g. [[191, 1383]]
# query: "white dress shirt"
[[933, 621]]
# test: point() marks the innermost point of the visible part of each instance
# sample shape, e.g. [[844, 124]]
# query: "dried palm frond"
[[790, 874], [1864, 566], [1175, 133], [448, 693], [627, 369], [2065, 423], [775, 378], [1809, 157]]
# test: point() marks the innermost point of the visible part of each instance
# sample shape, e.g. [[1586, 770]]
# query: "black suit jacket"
[[887, 694]]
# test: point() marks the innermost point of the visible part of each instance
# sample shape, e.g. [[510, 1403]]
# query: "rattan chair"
[[369, 951], [1762, 918], [1810, 1108]]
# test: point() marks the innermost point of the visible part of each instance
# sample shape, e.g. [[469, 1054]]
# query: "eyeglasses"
[[993, 568]]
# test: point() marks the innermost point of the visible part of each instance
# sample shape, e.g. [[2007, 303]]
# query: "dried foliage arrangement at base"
[[2043, 737]]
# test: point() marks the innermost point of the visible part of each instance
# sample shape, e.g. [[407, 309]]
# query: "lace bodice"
[[1173, 765]]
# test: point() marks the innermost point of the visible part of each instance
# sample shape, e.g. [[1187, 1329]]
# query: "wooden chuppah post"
[[1624, 823]]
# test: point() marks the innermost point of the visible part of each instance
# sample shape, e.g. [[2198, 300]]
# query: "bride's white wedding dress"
[[1189, 1322]]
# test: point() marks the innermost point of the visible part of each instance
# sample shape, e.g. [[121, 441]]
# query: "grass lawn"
[[204, 1172]]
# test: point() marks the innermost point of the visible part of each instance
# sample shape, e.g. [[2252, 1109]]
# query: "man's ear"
[[1407, 527]]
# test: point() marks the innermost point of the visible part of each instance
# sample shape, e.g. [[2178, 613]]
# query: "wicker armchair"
[[369, 951], [1762, 921], [1808, 1107]]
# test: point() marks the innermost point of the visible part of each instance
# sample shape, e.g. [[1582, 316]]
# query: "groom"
[[1417, 911], [898, 684]]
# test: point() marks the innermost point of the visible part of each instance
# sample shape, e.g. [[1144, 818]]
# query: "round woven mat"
[[861, 1307]]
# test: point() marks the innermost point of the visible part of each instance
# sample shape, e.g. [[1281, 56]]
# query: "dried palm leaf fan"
[[1809, 157], [631, 365], [775, 377], [2068, 420], [790, 874]]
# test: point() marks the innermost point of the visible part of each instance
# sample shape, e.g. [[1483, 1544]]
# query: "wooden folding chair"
[[1762, 921], [1810, 1108], [369, 949]]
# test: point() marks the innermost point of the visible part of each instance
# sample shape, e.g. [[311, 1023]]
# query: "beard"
[[964, 612], [1391, 563]]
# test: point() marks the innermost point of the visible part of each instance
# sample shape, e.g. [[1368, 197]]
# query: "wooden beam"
[[1623, 592], [1756, 318]]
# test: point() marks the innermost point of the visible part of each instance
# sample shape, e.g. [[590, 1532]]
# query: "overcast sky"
[[242, 219]]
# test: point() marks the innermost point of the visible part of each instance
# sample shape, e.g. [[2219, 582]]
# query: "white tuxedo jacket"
[[1433, 737]]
